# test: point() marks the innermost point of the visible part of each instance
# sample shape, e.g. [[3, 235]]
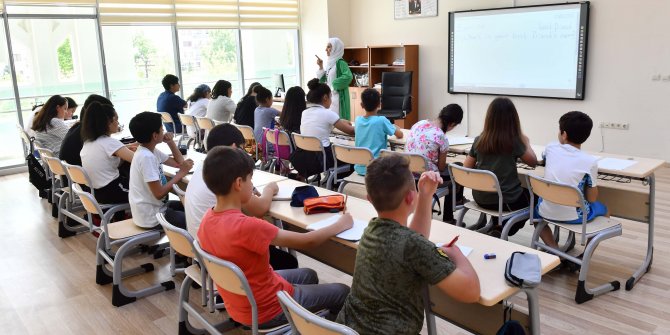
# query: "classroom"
[[124, 233]]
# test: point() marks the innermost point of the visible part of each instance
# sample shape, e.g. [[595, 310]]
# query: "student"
[[101, 154], [199, 198], [70, 150], [199, 100], [227, 233], [372, 129], [294, 105], [318, 121], [566, 163], [48, 124], [497, 149], [264, 115], [244, 112], [71, 108], [169, 102], [395, 261], [429, 139], [148, 186], [222, 107]]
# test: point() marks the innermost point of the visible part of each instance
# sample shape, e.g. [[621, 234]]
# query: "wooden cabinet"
[[375, 60]]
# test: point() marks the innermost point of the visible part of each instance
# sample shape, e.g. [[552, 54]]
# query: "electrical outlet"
[[614, 125]]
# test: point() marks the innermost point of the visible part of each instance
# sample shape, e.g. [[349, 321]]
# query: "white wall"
[[314, 19], [629, 42]]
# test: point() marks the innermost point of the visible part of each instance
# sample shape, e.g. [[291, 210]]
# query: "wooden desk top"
[[493, 285]]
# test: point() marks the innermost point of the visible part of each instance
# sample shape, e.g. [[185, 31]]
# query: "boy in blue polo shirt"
[[372, 129], [171, 103]]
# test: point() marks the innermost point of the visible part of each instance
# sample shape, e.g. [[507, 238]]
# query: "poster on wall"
[[407, 9]]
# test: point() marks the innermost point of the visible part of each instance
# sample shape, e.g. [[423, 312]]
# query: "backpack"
[[36, 174]]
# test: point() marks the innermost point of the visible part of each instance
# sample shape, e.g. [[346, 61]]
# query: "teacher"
[[337, 75]]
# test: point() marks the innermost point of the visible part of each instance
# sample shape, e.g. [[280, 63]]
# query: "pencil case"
[[324, 204]]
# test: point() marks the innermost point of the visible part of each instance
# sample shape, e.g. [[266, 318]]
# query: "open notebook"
[[284, 193], [353, 234], [464, 249]]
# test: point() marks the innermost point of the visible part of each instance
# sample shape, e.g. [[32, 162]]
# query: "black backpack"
[[36, 174]]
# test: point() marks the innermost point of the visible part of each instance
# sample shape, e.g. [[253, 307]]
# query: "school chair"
[[248, 134], [128, 237], [277, 138], [305, 322], [186, 122], [484, 181], [206, 124], [59, 190], [43, 152], [418, 164], [181, 194], [230, 277], [595, 231], [167, 119], [313, 144], [26, 140], [350, 155]]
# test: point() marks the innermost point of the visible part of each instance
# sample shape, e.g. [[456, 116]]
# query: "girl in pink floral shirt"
[[428, 138]]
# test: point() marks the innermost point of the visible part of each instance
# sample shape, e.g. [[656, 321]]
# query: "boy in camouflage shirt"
[[396, 261]]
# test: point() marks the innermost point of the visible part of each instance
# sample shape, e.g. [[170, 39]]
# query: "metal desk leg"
[[533, 310], [430, 317], [646, 265]]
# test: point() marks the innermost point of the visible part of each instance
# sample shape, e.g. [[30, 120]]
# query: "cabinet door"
[[355, 102]]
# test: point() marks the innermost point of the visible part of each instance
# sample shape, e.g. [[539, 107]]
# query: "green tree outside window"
[[65, 63]]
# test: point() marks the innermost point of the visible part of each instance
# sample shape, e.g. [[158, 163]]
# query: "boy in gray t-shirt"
[[394, 261]]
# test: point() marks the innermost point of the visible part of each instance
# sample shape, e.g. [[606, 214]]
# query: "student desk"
[[341, 137], [341, 254], [624, 199]]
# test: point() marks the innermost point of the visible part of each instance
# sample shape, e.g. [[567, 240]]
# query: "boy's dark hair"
[[143, 125], [96, 121], [370, 99], [576, 125], [451, 113], [225, 135], [223, 166], [387, 180], [316, 91], [169, 80], [262, 94]]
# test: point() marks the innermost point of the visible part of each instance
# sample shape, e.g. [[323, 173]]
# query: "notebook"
[[464, 249], [615, 163], [354, 234], [458, 140], [284, 193]]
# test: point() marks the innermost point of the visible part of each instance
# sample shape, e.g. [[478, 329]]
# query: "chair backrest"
[[305, 322], [77, 174], [225, 274], [180, 240], [180, 193], [479, 180], [352, 155], [187, 120], [205, 123], [44, 152], [25, 138], [283, 137], [307, 143], [247, 132], [55, 166], [417, 162], [557, 193], [166, 117], [90, 204], [396, 91]]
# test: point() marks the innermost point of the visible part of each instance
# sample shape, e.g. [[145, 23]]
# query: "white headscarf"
[[336, 52]]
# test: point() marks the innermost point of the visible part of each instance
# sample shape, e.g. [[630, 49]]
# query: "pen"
[[453, 241]]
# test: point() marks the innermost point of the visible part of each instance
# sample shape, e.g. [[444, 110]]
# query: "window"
[[266, 52], [11, 152], [138, 57], [208, 55]]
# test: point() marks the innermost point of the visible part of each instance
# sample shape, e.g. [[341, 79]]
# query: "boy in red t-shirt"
[[229, 234]]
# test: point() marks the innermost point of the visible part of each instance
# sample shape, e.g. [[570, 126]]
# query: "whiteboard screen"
[[537, 51]]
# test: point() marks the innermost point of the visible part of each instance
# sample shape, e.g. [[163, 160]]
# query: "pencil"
[[346, 197], [453, 241]]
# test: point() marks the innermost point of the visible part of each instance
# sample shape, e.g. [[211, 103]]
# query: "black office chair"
[[396, 98]]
